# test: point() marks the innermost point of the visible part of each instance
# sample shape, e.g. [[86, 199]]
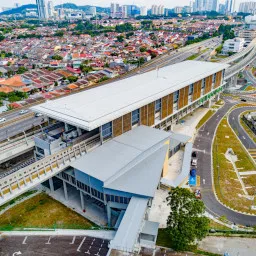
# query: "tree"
[[21, 70], [2, 37], [57, 57], [59, 33], [120, 39], [186, 222], [72, 79], [124, 28], [143, 49]]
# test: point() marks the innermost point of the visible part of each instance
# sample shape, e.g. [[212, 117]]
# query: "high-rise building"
[[143, 11], [157, 10], [154, 10], [93, 11], [222, 8], [124, 12], [248, 7], [50, 9], [16, 5], [178, 9], [205, 5], [42, 9], [230, 6]]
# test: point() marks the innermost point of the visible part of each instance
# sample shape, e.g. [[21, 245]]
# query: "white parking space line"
[[244, 138], [48, 242], [78, 249], [24, 241], [73, 240]]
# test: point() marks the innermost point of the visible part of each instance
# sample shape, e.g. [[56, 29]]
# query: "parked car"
[[38, 114], [23, 111], [2, 120], [244, 100], [194, 159]]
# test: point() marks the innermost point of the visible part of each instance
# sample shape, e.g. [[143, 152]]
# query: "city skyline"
[[106, 3]]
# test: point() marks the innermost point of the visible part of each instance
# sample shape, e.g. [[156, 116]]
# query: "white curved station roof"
[[92, 108]]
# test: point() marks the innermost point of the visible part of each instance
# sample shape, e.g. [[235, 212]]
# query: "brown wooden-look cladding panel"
[[181, 98], [144, 115], [208, 84], [186, 96], [197, 90], [151, 114], [127, 122], [118, 126], [164, 107], [170, 104], [218, 79]]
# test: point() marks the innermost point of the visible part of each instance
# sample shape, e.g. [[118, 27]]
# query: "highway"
[[249, 76], [234, 121], [23, 125], [165, 60], [202, 144]]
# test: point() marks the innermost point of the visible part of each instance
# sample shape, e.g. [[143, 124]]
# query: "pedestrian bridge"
[[26, 178]]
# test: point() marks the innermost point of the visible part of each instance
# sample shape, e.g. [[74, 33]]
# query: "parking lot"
[[52, 245]]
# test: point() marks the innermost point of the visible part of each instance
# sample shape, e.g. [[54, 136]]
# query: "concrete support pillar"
[[65, 190], [51, 185], [208, 104], [217, 97], [79, 131], [109, 215], [66, 127], [82, 200]]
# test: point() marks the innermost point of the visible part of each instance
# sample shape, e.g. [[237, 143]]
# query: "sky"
[[148, 3]]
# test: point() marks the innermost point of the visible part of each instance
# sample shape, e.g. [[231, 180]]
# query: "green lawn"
[[205, 118], [19, 198], [41, 211], [227, 185]]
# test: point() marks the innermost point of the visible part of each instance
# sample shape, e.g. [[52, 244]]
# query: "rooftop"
[[92, 108], [141, 153]]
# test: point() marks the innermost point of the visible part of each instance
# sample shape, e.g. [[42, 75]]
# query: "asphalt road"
[[165, 60], [249, 76], [52, 246], [202, 145], [234, 121], [16, 128]]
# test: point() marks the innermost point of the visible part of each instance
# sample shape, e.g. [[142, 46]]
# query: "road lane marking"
[[48, 242], [79, 247], [244, 138], [24, 241], [73, 240]]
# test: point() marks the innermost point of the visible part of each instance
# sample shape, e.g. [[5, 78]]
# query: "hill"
[[20, 9], [84, 8]]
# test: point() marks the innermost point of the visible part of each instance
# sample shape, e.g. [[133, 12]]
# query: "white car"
[[38, 114], [2, 120], [23, 111]]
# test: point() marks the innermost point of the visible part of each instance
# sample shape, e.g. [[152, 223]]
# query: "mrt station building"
[[126, 126]]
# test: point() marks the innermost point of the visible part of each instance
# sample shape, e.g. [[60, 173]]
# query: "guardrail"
[[36, 173], [242, 64]]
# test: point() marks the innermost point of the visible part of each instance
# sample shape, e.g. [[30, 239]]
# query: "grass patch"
[[41, 211], [19, 198], [249, 88], [218, 226], [194, 56], [205, 118], [227, 185]]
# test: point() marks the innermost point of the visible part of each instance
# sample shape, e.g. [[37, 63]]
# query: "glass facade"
[[107, 130], [176, 96], [191, 89], [135, 117]]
